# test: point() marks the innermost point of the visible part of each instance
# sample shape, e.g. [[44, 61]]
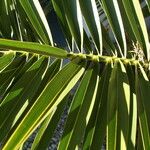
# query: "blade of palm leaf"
[[112, 112], [29, 62], [10, 75], [26, 28], [142, 83], [101, 119], [107, 42], [17, 66], [18, 23], [26, 98], [58, 7], [128, 30], [96, 128], [6, 59], [74, 20], [14, 19], [139, 142], [87, 43], [123, 106], [50, 73], [74, 109], [51, 96], [33, 48], [49, 126], [20, 96], [90, 13], [118, 108], [11, 68], [133, 109], [40, 135], [38, 20], [145, 86], [5, 26], [86, 110], [80, 110], [112, 11], [138, 25]]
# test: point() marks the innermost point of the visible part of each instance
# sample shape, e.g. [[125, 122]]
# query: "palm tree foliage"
[[107, 55]]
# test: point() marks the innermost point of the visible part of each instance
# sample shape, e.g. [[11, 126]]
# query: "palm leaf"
[[107, 58], [38, 20], [32, 47], [54, 94], [80, 110]]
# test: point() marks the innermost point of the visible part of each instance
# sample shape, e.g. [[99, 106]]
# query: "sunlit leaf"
[[6, 59], [112, 11], [118, 108], [96, 128], [92, 19], [33, 48], [51, 96], [142, 91], [37, 18], [80, 110]]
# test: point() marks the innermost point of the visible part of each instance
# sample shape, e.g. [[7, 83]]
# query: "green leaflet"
[[48, 127], [20, 95], [11, 74], [87, 43], [118, 108], [137, 24], [107, 42], [5, 24], [51, 96], [11, 68], [74, 19], [90, 13], [142, 91], [14, 20], [132, 137], [49, 74], [28, 63], [41, 137], [112, 11], [96, 128], [130, 37], [33, 48], [25, 27], [6, 59], [59, 9], [80, 111], [38, 20], [139, 142]]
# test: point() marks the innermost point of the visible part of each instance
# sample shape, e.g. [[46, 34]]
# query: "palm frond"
[[104, 67]]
